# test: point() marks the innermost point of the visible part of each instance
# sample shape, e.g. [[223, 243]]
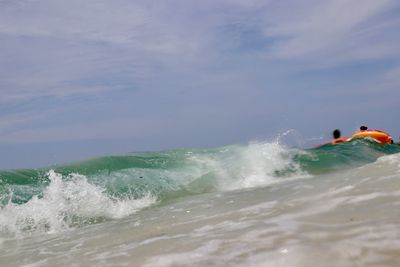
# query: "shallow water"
[[345, 217]]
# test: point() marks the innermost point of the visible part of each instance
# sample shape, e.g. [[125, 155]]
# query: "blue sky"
[[85, 78]]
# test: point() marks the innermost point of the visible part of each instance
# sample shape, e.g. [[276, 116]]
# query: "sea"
[[256, 204]]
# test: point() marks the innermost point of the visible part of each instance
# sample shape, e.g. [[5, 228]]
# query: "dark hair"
[[363, 128], [336, 133]]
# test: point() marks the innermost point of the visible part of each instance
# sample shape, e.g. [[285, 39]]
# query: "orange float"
[[340, 140], [376, 135]]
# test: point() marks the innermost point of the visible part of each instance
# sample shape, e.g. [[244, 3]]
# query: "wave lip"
[[65, 204], [258, 164], [114, 187]]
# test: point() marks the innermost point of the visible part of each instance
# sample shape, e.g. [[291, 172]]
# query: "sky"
[[81, 79]]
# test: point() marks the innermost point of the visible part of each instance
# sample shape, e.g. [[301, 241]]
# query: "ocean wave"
[[66, 203], [63, 197]]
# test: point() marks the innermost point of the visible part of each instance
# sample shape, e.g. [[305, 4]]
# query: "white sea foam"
[[184, 258], [249, 166], [65, 203], [338, 219]]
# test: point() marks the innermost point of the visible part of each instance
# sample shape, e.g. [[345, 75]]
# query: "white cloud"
[[58, 48], [47, 45], [90, 130], [200, 72], [53, 48], [137, 24], [393, 75], [15, 121], [332, 30]]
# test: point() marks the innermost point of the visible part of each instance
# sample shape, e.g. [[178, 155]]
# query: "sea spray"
[[113, 187], [237, 167], [64, 204]]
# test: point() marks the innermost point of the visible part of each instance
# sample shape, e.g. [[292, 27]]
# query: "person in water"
[[336, 137], [336, 134], [371, 134]]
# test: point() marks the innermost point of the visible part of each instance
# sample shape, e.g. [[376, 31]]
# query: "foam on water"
[[255, 165], [343, 218], [64, 204], [115, 187], [63, 199]]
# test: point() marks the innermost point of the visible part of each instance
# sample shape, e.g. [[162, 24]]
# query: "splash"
[[113, 187], [254, 165], [64, 204]]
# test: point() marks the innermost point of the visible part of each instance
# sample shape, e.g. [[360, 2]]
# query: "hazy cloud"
[[340, 30], [52, 48], [231, 68]]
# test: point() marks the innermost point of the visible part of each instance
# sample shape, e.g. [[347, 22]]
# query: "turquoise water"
[[143, 189], [175, 173]]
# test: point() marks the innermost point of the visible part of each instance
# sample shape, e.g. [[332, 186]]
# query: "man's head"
[[336, 134]]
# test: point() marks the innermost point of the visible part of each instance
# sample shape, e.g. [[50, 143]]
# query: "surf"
[[59, 198]]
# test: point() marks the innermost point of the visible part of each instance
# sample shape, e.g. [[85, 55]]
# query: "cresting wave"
[[59, 198], [65, 203]]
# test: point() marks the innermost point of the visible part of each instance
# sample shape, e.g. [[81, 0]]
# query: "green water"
[[176, 173]]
